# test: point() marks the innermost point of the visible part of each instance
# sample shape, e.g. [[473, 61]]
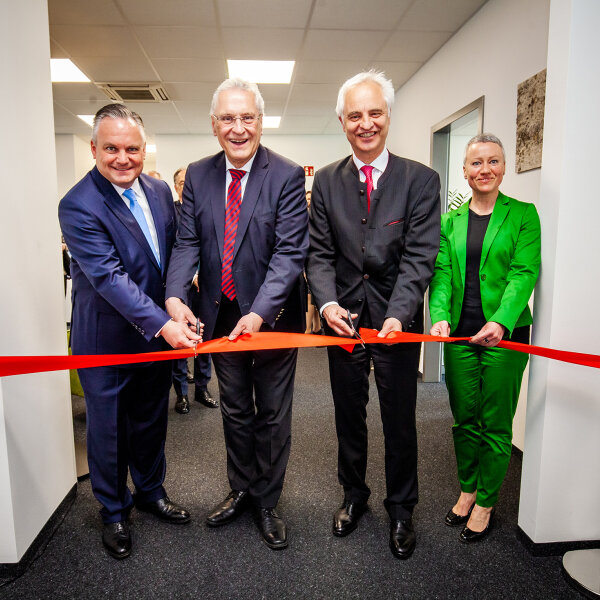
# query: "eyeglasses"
[[229, 120]]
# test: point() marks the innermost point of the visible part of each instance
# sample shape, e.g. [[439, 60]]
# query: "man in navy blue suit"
[[244, 221], [120, 227]]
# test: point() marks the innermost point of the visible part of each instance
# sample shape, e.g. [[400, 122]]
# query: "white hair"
[[377, 77], [240, 84]]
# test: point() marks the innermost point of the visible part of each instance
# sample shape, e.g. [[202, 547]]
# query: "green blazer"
[[510, 264]]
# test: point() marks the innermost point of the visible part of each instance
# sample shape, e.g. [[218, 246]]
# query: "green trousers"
[[483, 386]]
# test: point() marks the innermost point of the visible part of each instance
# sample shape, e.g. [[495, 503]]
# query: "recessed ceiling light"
[[262, 71], [89, 119], [62, 70], [270, 122]]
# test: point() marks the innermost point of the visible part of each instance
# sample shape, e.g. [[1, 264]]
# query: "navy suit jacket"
[[118, 286], [270, 245]]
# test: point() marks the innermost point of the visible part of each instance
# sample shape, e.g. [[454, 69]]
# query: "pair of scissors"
[[353, 331], [196, 343]]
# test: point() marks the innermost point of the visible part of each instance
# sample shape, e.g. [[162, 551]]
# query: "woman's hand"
[[441, 328], [489, 335]]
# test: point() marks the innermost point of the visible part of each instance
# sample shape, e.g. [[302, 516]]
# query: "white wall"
[[503, 44], [37, 460], [174, 151], [560, 484], [73, 160]]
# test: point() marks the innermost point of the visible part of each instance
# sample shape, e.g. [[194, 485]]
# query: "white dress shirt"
[[243, 180]]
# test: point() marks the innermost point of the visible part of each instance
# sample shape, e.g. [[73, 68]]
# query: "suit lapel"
[[498, 216], [216, 185], [117, 207], [460, 223], [251, 194], [159, 221]]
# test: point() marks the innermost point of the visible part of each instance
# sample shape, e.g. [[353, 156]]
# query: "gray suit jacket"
[[383, 258]]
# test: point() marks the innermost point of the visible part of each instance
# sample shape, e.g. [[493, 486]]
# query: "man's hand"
[[441, 328], [179, 312], [489, 335], [389, 325], [336, 318], [249, 323], [179, 335]]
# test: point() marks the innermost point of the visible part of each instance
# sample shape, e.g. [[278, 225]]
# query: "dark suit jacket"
[[270, 245], [383, 258], [118, 287]]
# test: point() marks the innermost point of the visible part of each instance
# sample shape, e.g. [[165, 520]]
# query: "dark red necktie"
[[232, 215], [368, 171]]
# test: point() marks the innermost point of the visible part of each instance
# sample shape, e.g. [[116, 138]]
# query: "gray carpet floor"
[[231, 562]]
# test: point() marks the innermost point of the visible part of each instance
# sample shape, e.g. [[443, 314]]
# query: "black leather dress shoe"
[[204, 397], [182, 406], [452, 519], [469, 536], [166, 510], [117, 539], [231, 508], [272, 528], [346, 517], [402, 538]]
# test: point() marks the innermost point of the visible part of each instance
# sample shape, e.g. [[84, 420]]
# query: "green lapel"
[[498, 216], [460, 222]]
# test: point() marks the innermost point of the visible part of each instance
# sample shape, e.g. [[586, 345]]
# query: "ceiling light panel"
[[63, 70]]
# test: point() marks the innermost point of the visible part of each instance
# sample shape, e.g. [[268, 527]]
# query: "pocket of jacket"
[[395, 222]]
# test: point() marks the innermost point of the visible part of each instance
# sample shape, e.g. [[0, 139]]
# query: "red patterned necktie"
[[232, 214], [368, 171]]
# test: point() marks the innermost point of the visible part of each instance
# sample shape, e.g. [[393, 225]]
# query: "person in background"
[[154, 174], [374, 236], [181, 376], [244, 222], [485, 272], [119, 225]]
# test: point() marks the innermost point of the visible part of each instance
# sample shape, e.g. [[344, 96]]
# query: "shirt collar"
[[380, 163], [246, 167], [135, 186]]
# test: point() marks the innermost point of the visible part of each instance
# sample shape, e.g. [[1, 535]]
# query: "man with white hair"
[[374, 236], [244, 225]]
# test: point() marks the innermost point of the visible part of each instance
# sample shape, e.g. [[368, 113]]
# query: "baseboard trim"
[[553, 548], [11, 571]]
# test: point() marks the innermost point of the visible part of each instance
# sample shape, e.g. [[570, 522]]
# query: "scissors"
[[354, 332], [196, 343]]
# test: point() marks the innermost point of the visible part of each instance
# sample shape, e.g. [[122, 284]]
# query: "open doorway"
[[448, 141]]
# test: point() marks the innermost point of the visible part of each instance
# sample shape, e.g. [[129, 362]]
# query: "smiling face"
[[119, 151], [484, 168], [239, 141], [366, 120]]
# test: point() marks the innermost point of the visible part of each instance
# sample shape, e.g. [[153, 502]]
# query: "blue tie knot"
[[130, 195]]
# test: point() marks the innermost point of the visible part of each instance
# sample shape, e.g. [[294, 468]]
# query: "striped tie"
[[232, 214]]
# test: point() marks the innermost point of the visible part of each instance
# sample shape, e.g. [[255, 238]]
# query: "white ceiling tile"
[[191, 70], [180, 42], [107, 69], [264, 13], [342, 45], [83, 12], [312, 93], [358, 14], [67, 122], [261, 44], [274, 93], [191, 91], [303, 109], [327, 71], [77, 91], [398, 72], [85, 107], [439, 15], [56, 51], [156, 124], [102, 40], [199, 13], [413, 46]]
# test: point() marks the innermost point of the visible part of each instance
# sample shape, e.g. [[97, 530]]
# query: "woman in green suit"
[[485, 272]]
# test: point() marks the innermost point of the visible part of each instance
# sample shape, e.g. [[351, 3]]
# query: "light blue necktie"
[[138, 213]]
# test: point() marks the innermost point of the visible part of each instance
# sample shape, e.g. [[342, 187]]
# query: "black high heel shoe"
[[452, 519], [468, 536]]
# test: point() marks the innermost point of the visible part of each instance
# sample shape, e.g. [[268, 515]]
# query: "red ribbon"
[[20, 365]]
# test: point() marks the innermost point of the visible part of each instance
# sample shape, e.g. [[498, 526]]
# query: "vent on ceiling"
[[135, 92]]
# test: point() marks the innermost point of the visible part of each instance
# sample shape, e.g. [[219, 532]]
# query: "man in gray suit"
[[374, 236]]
